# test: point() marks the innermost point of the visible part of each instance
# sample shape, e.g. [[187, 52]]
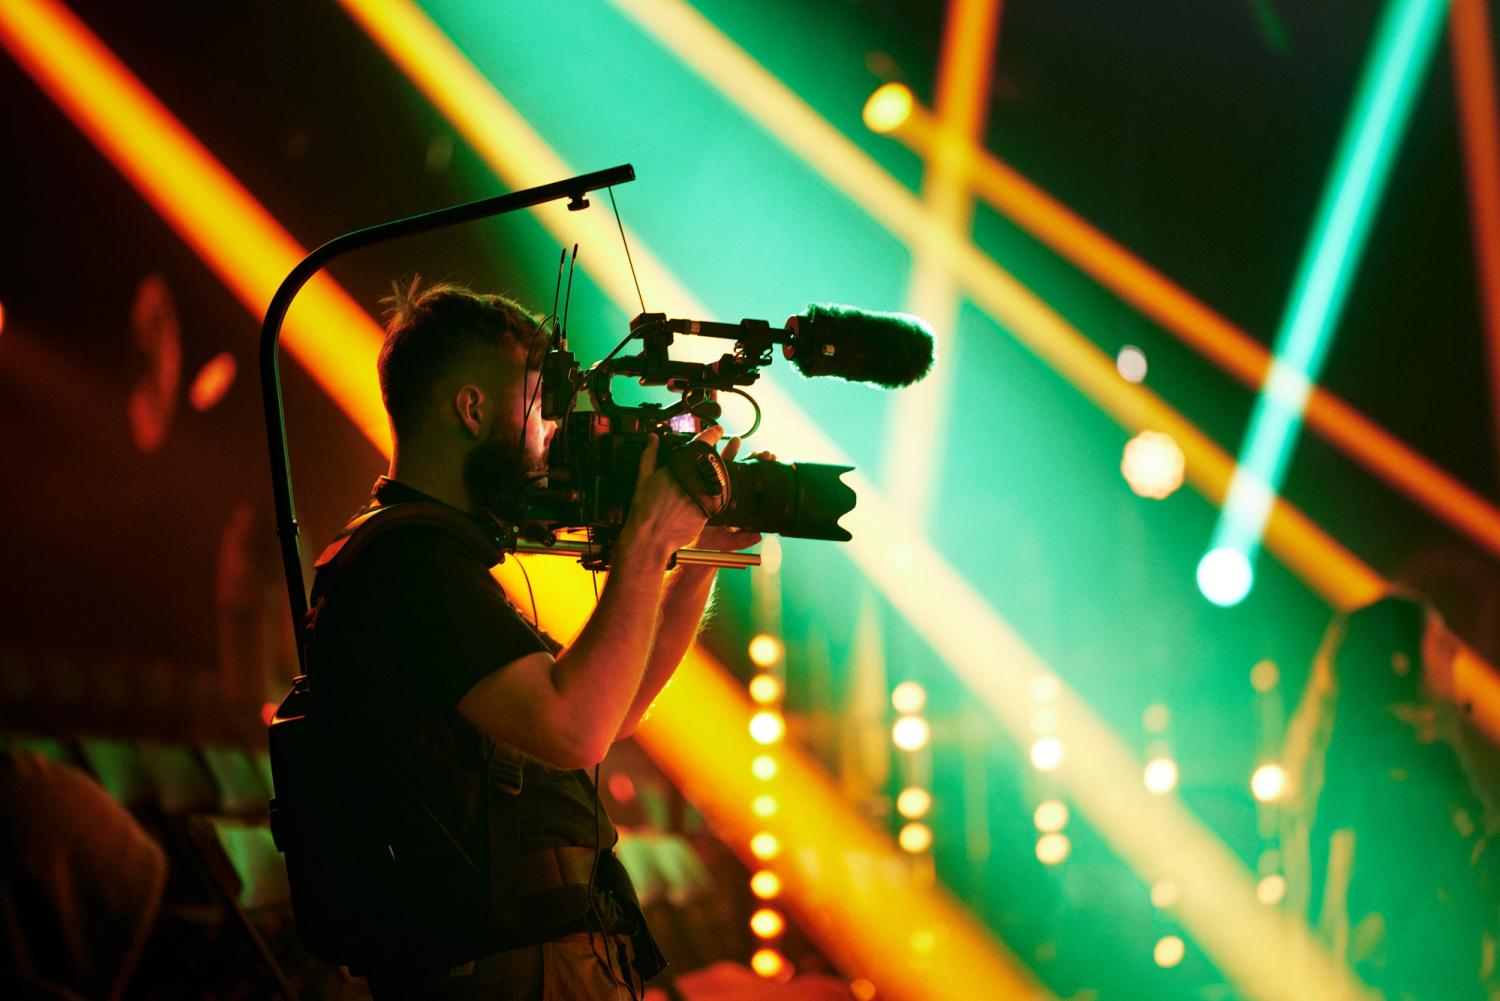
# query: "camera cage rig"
[[697, 382]]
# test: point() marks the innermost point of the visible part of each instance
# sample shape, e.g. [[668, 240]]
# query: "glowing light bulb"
[[1051, 816], [915, 837], [765, 688], [1046, 754], [913, 802], [1268, 782], [1160, 775], [908, 697], [1224, 576], [767, 727], [888, 108], [911, 733], [1052, 849]]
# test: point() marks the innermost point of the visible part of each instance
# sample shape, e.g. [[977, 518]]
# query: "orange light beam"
[[1209, 333], [1470, 34], [1222, 910], [201, 200], [917, 414], [701, 727]]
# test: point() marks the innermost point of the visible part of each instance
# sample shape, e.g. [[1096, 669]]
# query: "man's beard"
[[496, 472]]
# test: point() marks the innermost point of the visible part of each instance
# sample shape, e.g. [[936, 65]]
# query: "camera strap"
[[503, 770]]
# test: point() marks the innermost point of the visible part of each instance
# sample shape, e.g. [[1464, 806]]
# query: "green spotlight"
[[1404, 43]]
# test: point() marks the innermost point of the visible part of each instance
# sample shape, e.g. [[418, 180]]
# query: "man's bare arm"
[[567, 711], [687, 592]]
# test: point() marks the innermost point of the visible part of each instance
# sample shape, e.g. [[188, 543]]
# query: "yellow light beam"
[[961, 101], [1471, 36], [934, 599], [195, 194], [701, 729]]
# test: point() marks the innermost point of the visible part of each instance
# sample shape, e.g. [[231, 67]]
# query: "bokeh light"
[[1053, 848], [1268, 782], [1153, 464], [1164, 893], [767, 923], [1224, 576], [1050, 816], [767, 727], [862, 990], [765, 650], [1046, 753], [1045, 688], [768, 963], [913, 802], [212, 381], [1043, 720], [765, 846], [1264, 676], [911, 733], [765, 884], [888, 108], [915, 837], [908, 697], [1130, 362], [770, 555], [1156, 718], [765, 689], [1160, 775], [764, 806], [1168, 952], [1271, 889], [763, 767]]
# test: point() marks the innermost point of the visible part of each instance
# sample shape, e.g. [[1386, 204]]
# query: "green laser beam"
[[1405, 41]]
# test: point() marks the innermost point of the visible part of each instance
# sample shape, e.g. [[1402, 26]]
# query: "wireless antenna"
[[556, 292], [568, 299]]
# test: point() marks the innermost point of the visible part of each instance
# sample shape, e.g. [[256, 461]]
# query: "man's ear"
[[472, 407]]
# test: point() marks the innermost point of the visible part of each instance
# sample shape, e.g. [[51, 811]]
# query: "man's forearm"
[[602, 671], [686, 595]]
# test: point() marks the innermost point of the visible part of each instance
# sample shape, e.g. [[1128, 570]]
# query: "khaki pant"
[[570, 968]]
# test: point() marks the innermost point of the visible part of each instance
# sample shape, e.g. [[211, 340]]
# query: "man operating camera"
[[467, 732]]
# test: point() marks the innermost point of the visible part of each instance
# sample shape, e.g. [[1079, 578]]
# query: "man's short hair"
[[430, 328]]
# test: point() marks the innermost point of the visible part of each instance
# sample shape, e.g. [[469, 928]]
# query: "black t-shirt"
[[412, 624]]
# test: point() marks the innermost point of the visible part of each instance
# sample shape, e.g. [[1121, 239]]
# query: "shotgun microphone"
[[888, 349]]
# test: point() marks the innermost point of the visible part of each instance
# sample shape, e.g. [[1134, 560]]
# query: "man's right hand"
[[662, 515]]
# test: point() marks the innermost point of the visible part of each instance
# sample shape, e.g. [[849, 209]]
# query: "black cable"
[[627, 248], [536, 622]]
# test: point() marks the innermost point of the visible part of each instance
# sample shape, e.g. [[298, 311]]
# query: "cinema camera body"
[[595, 454]]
